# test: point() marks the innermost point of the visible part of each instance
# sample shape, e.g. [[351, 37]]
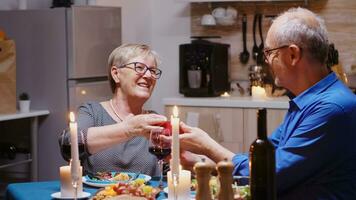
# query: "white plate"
[[57, 195], [98, 184]]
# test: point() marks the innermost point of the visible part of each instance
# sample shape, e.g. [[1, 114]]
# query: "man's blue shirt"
[[315, 145]]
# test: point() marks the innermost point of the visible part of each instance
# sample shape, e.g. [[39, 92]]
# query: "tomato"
[[132, 189]]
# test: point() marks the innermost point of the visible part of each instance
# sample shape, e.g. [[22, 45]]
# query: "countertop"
[[19, 115], [232, 102]]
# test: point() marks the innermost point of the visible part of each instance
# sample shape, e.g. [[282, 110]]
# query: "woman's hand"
[[141, 125]]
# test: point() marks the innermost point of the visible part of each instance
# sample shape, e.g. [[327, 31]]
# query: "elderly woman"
[[115, 132]]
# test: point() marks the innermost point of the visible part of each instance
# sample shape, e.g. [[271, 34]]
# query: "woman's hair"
[[124, 53], [304, 28]]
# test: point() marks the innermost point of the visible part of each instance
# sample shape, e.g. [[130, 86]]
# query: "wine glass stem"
[[160, 163], [75, 186]]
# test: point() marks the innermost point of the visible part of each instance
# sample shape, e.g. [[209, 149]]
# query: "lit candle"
[[258, 92], [74, 147], [226, 94], [67, 190], [183, 188], [175, 141]]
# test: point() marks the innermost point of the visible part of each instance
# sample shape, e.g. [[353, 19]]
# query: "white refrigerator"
[[61, 57]]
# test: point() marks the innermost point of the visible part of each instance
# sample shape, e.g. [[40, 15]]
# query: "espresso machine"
[[203, 68]]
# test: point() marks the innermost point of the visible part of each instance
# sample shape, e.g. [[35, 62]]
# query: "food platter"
[[115, 177], [134, 190]]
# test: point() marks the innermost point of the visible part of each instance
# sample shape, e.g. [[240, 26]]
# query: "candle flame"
[[71, 117], [175, 111]]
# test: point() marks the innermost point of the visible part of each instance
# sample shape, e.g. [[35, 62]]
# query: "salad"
[[133, 190], [240, 192], [110, 176]]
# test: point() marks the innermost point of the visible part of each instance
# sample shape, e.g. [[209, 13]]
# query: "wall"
[[163, 24], [339, 16]]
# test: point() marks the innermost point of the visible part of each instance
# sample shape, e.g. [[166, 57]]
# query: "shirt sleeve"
[[86, 120], [315, 145], [275, 136], [241, 162]]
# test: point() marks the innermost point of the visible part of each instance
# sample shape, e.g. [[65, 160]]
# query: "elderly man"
[[316, 143]]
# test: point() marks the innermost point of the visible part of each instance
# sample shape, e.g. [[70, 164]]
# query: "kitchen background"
[[165, 24]]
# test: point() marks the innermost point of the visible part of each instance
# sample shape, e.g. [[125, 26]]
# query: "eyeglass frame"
[[267, 52], [151, 69]]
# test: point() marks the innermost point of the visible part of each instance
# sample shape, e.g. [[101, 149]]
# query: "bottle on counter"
[[262, 163], [203, 170], [225, 169]]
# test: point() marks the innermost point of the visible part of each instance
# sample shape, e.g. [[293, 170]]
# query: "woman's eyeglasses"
[[142, 68]]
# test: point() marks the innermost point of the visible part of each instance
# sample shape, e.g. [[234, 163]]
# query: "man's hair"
[[122, 55], [304, 28]]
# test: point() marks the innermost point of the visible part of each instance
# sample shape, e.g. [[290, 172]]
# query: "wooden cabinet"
[[234, 128]]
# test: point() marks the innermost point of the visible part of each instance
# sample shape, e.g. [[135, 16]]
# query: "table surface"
[[43, 190]]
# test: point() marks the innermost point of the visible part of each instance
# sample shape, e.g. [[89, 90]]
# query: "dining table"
[[43, 190]]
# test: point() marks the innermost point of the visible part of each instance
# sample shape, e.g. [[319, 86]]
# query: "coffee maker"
[[203, 68]]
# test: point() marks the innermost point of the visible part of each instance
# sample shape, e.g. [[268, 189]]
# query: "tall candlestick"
[[73, 126], [175, 141]]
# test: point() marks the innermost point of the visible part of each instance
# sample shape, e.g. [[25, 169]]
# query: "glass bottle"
[[262, 163]]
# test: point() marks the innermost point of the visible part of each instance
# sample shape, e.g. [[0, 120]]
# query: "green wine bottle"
[[262, 163]]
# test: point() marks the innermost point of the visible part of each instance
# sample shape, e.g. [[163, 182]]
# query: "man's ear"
[[295, 54], [115, 74]]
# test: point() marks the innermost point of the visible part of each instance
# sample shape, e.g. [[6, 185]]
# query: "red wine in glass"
[[66, 151], [159, 152], [159, 148]]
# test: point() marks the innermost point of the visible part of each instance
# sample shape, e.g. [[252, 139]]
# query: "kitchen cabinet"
[[34, 120], [233, 124]]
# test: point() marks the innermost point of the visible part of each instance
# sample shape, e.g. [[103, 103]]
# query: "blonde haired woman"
[[115, 132]]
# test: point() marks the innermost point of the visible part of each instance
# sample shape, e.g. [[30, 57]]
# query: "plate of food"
[[134, 190], [103, 179], [240, 187]]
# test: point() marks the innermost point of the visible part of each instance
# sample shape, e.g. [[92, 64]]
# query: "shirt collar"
[[311, 93]]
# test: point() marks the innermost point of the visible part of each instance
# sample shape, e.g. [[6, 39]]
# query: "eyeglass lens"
[[142, 69]]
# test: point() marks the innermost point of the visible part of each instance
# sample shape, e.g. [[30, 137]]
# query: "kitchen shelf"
[[33, 115], [19, 162]]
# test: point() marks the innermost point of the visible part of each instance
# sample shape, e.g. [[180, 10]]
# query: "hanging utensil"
[[261, 47], [245, 55], [255, 48]]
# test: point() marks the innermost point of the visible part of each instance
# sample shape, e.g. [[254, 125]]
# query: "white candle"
[[74, 147], [258, 92], [67, 189], [226, 94], [175, 141], [183, 188]]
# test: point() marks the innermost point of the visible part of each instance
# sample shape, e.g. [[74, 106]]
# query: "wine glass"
[[65, 144], [159, 148]]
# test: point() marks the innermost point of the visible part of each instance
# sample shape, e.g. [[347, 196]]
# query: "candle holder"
[[67, 189]]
